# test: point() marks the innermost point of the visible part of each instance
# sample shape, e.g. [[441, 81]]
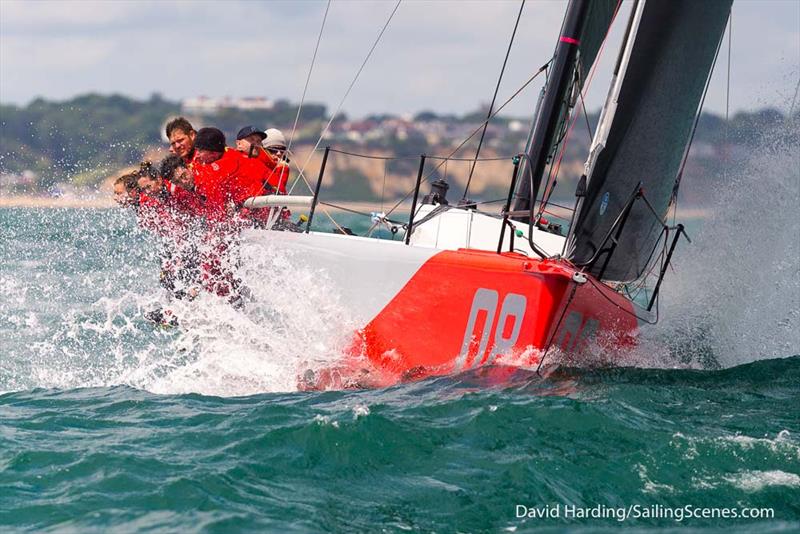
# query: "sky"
[[443, 56]]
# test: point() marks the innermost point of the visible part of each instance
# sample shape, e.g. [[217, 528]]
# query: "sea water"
[[110, 423]]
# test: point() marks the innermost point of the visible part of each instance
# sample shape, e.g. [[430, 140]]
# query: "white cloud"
[[439, 55], [19, 16]]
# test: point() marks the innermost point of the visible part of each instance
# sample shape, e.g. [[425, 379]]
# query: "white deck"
[[462, 228], [366, 273]]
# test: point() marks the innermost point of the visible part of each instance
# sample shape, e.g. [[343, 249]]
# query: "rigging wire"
[[416, 157], [725, 161], [383, 187], [370, 156], [794, 100], [586, 116], [728, 87], [383, 191], [465, 141], [357, 212], [350, 88], [569, 126], [308, 78], [494, 99]]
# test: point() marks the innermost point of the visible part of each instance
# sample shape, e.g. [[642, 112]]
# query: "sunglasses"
[[275, 150]]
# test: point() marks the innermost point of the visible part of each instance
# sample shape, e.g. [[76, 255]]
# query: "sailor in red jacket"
[[275, 147], [226, 178], [274, 173], [249, 142], [173, 214]]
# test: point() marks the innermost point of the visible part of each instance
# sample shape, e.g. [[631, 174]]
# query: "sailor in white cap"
[[275, 144]]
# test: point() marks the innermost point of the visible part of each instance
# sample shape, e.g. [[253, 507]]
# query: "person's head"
[[275, 143], [247, 137], [181, 135], [174, 169], [126, 191], [209, 145], [148, 179]]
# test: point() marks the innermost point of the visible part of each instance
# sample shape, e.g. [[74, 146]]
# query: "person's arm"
[[279, 177]]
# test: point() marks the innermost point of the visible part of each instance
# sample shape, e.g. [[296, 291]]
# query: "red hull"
[[467, 308]]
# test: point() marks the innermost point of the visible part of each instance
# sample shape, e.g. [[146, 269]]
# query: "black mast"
[[561, 75]]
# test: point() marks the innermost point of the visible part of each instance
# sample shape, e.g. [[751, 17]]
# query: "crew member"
[[126, 192], [181, 135], [275, 146], [225, 178], [175, 170], [173, 214], [248, 142]]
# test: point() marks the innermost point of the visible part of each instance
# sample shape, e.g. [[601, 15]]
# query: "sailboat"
[[466, 289]]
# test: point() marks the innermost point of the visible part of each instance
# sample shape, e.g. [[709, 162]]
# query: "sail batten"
[[647, 124]]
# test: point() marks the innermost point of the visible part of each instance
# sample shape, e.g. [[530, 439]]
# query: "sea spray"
[[291, 322], [78, 284], [733, 295]]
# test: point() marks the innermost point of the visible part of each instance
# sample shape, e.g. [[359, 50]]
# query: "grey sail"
[[598, 20], [585, 26], [649, 120]]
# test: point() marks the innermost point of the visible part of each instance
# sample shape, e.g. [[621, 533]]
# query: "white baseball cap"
[[274, 138]]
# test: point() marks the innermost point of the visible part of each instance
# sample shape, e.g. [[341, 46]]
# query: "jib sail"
[[644, 131]]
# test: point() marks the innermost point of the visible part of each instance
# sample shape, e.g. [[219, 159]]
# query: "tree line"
[[93, 135]]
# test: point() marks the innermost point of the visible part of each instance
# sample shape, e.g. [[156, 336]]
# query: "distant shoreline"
[[106, 202]]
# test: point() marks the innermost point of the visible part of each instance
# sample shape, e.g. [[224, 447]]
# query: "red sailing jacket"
[[190, 161], [184, 202], [230, 180], [278, 171], [265, 157], [169, 213], [278, 177]]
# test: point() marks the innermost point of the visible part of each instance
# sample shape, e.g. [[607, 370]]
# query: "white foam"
[[782, 444], [360, 410], [753, 481], [648, 486], [324, 420], [293, 323], [64, 339]]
